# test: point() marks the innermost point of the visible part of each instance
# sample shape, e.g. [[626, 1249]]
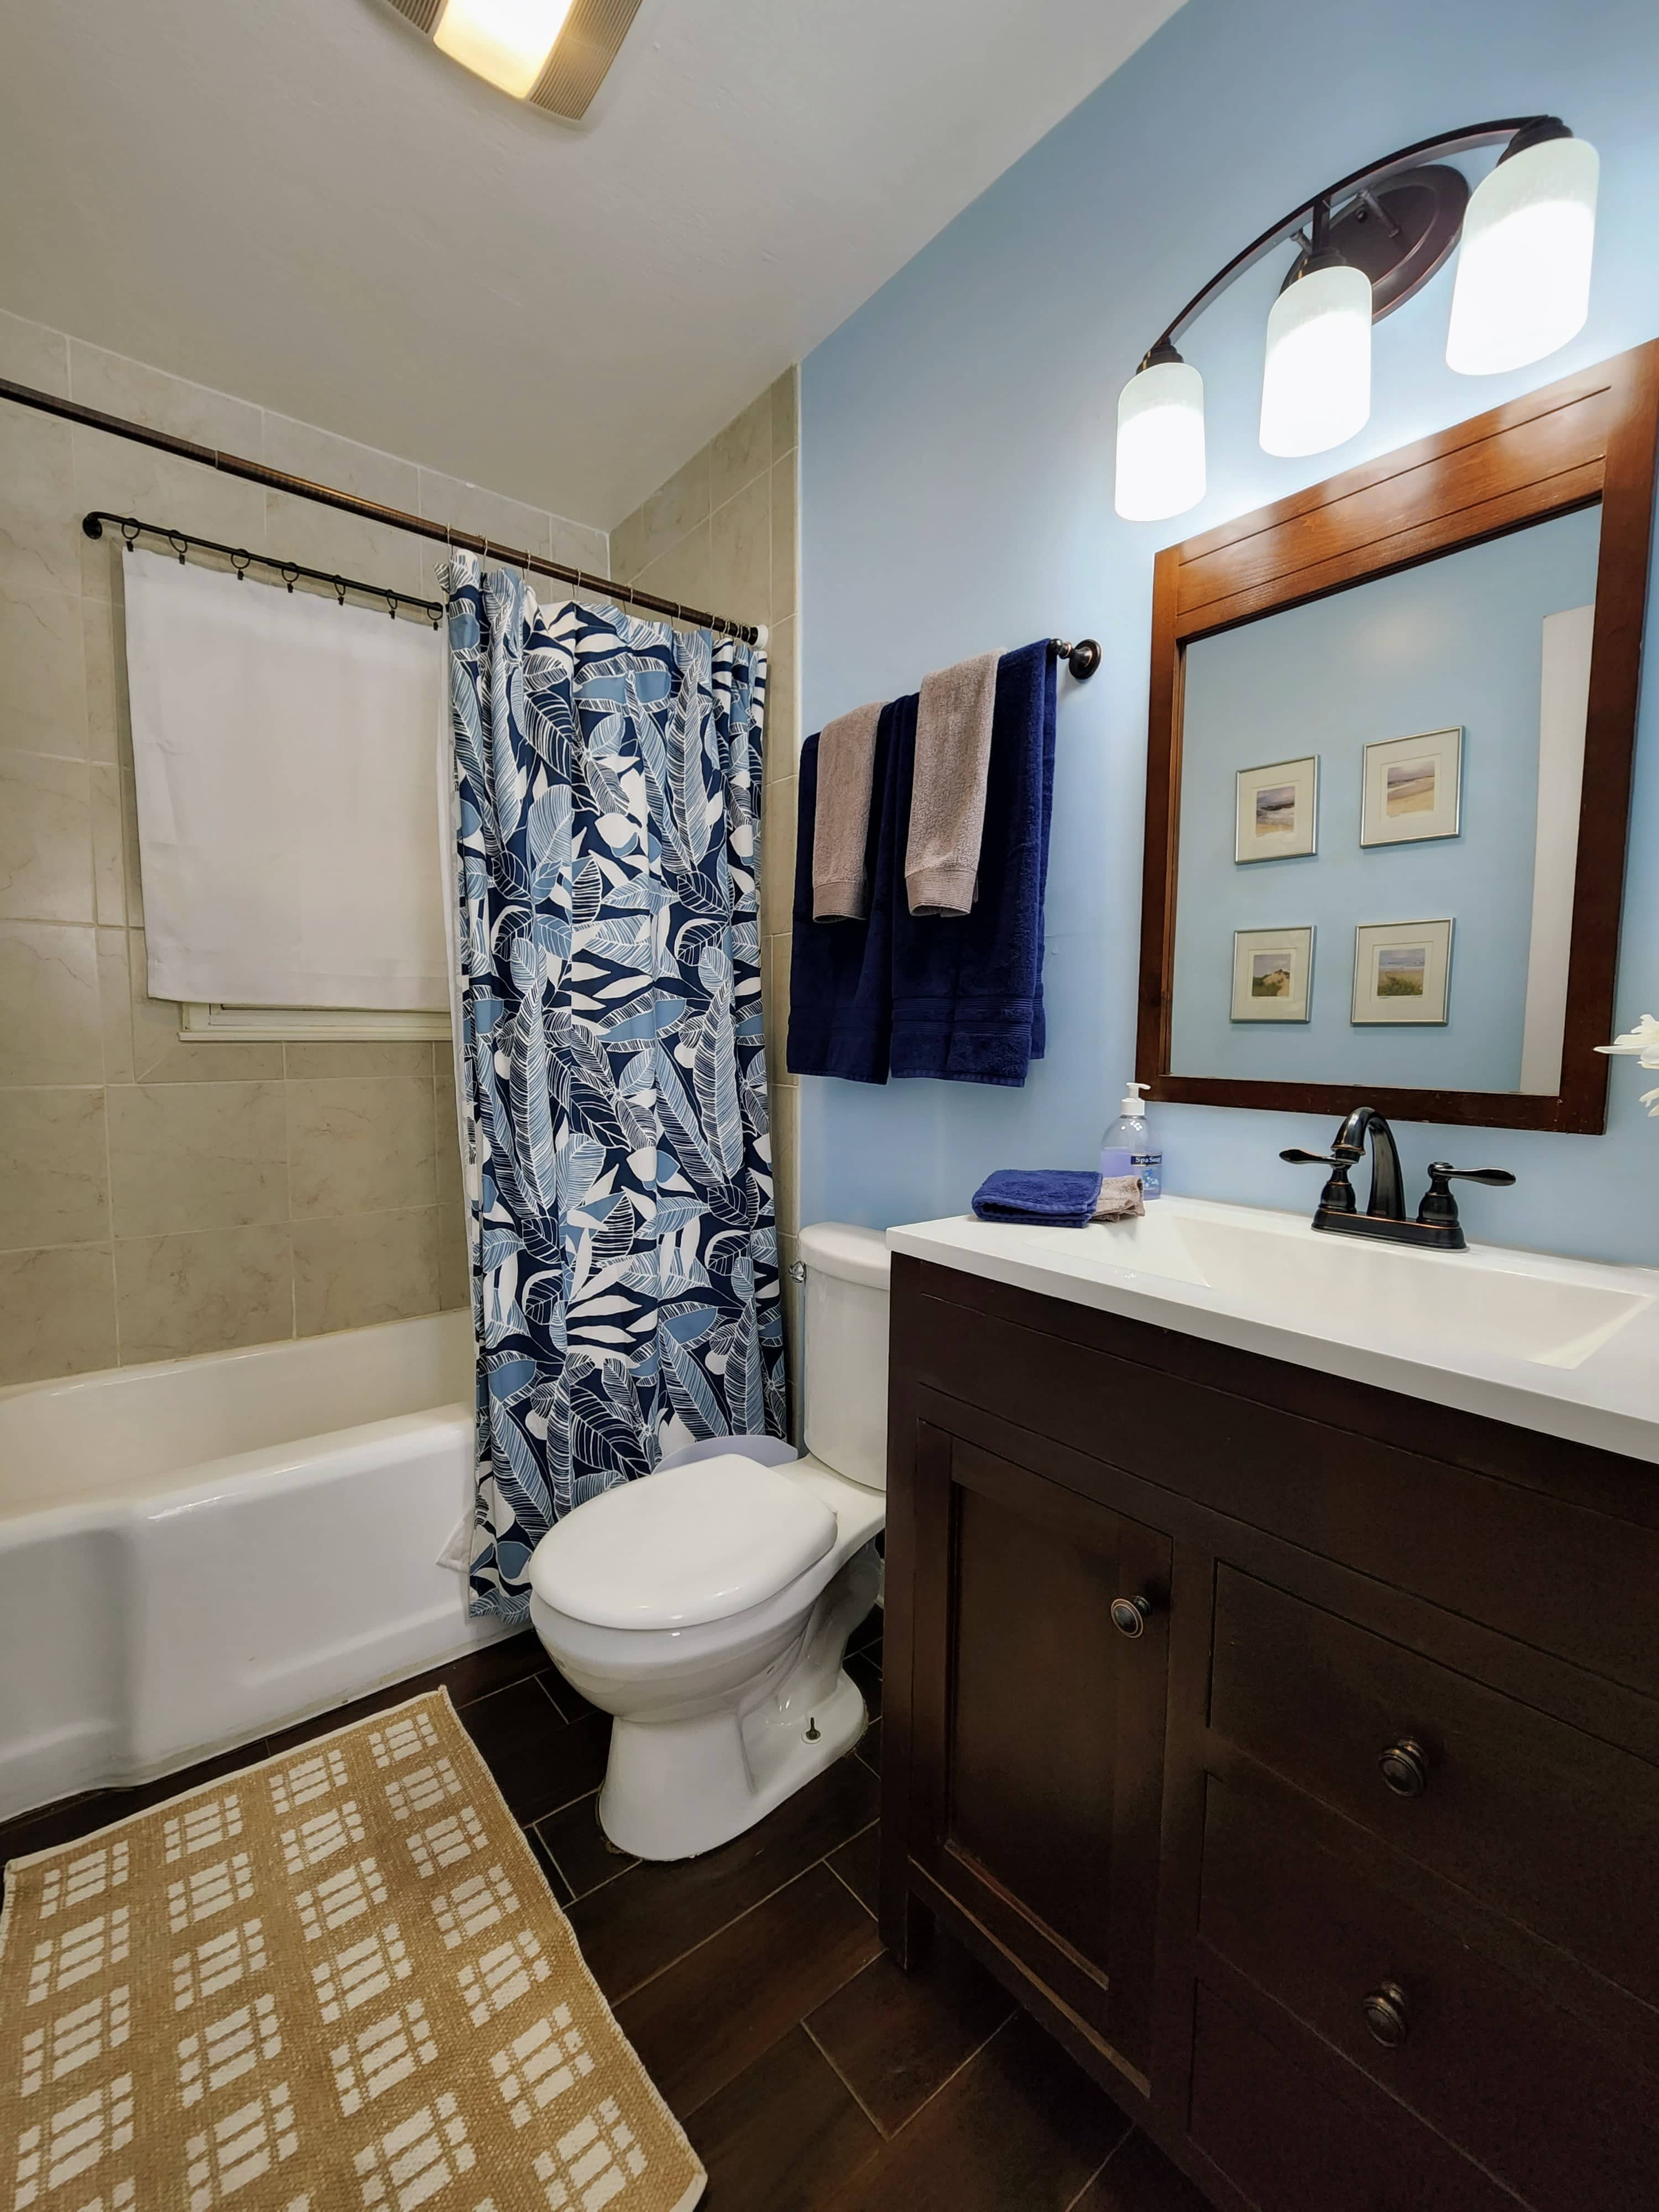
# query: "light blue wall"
[[1456, 642], [957, 447]]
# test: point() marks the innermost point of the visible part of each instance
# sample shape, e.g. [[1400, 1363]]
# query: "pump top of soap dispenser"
[[1132, 1106]]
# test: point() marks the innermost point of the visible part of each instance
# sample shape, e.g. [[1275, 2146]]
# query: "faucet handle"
[[1439, 1204], [1337, 1197]]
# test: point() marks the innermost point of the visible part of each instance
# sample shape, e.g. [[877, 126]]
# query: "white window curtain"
[[288, 821]]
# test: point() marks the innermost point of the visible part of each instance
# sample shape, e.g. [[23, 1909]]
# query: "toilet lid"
[[693, 1544]]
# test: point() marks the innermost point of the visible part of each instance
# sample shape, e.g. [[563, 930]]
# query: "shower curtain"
[[625, 1291]]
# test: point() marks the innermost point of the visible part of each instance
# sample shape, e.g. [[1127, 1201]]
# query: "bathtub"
[[195, 1552]]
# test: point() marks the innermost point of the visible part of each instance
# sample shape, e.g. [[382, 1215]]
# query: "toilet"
[[707, 1605]]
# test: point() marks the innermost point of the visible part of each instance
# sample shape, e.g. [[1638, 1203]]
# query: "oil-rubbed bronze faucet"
[[1437, 1226]]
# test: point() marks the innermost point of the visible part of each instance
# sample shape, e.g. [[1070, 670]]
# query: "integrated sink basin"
[[1562, 1344], [1274, 1266]]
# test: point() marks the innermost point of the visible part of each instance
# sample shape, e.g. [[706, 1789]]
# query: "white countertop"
[[1565, 1346]]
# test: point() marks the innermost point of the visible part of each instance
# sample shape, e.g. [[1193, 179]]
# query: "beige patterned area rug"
[[332, 1983]]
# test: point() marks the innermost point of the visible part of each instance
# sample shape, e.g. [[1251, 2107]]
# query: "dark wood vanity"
[[1289, 1748]]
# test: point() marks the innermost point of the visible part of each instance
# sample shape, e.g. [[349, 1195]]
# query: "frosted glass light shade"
[[1316, 386], [1523, 269], [1160, 442], [506, 40]]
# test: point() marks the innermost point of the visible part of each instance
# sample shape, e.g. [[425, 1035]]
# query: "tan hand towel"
[[1120, 1199], [947, 788], [847, 751]]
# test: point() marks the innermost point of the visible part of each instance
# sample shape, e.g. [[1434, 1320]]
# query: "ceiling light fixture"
[[552, 53], [508, 41], [1369, 243]]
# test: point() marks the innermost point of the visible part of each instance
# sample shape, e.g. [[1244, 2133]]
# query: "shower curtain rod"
[[1083, 659], [288, 572], [441, 533]]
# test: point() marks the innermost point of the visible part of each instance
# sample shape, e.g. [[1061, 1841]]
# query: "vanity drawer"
[[1554, 1826], [1542, 2100], [1290, 2143]]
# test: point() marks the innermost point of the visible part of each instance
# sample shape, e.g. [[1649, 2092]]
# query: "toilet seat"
[[690, 1545]]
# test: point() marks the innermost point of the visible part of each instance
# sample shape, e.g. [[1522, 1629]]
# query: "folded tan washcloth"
[[947, 786], [847, 749], [1120, 1199]]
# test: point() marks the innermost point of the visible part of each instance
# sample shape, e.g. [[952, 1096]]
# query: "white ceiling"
[[303, 203]]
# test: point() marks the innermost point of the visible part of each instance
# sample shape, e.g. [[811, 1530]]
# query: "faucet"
[[1437, 1226]]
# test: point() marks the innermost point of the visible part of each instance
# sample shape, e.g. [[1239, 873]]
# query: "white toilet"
[[707, 1607]]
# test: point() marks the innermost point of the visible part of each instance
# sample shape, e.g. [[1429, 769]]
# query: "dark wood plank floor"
[[811, 2074]]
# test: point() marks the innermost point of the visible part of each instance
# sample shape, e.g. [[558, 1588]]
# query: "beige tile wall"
[[722, 535], [159, 1198]]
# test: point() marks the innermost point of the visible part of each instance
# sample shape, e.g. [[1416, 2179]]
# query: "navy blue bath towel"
[[956, 997], [1052, 1198]]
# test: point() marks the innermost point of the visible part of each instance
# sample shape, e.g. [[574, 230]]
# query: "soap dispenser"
[[1127, 1147]]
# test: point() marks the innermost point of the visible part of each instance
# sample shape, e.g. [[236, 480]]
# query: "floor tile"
[[858, 1865], [867, 1636], [635, 1926], [897, 2039], [478, 1674], [1138, 2178], [866, 1671], [549, 1865], [585, 1854], [540, 1761], [1020, 2125], [783, 2136], [712, 2013]]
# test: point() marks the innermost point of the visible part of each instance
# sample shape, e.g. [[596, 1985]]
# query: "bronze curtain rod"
[[234, 464]]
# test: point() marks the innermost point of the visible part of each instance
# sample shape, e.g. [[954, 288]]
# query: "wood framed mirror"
[[1392, 727]]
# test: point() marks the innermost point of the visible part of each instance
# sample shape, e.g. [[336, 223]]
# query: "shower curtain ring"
[[290, 575], [241, 561], [130, 530], [340, 589], [391, 599], [179, 543]]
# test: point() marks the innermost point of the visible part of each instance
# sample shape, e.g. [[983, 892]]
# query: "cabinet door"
[[1038, 1724]]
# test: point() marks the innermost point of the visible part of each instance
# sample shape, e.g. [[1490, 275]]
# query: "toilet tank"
[[844, 1381]]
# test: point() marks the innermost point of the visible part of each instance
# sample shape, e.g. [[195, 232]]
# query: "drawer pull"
[[1405, 1767], [1387, 2016], [1130, 1615]]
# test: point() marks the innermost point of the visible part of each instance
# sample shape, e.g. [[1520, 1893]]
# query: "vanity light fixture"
[[1367, 244], [553, 54]]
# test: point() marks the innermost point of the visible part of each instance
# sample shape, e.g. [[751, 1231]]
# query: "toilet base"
[[672, 1792]]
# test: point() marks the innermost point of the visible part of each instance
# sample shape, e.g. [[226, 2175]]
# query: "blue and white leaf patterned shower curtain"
[[624, 1248]]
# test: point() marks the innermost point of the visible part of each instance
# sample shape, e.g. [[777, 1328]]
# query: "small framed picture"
[[1278, 810], [1401, 971], [1273, 973], [1412, 788]]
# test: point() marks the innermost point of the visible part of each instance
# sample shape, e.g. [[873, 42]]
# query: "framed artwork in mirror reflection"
[[1273, 973], [1412, 788], [1278, 810]]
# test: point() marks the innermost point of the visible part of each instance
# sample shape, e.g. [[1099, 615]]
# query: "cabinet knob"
[[1405, 1767], [1130, 1615], [1387, 2016]]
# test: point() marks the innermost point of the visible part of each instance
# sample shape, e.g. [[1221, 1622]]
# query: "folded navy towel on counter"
[[1052, 1198]]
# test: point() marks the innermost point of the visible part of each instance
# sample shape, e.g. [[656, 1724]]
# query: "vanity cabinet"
[[1290, 1749]]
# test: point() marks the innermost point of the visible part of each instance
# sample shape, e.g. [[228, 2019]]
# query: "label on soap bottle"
[[1149, 1166]]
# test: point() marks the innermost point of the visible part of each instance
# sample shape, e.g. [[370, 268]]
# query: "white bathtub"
[[197, 1552]]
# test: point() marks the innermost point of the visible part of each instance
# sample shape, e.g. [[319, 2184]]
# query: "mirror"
[[1388, 795]]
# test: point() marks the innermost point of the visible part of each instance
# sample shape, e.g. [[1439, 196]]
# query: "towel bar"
[[1082, 659]]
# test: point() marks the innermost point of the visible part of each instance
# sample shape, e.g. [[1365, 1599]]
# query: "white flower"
[[1643, 1042], [1651, 1100]]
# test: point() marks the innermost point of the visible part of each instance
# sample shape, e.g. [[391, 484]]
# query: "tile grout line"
[[806, 2030], [668, 1964], [1128, 2131]]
